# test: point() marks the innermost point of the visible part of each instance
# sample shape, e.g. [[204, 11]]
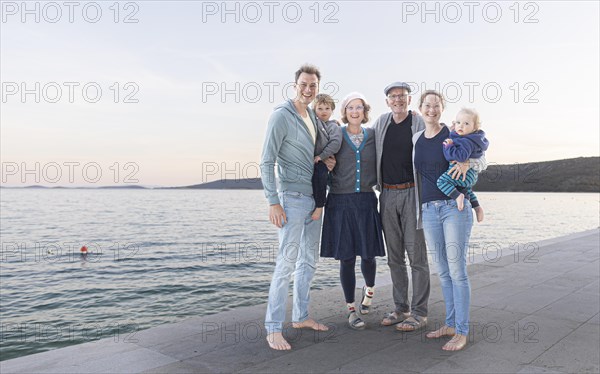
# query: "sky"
[[173, 93]]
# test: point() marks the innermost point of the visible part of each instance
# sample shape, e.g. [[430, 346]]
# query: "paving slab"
[[531, 299], [524, 340], [178, 368], [578, 307], [577, 353], [531, 369], [593, 288], [102, 356], [575, 281], [468, 362], [408, 356], [491, 294]]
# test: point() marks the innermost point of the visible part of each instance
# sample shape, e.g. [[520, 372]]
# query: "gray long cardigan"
[[380, 126]]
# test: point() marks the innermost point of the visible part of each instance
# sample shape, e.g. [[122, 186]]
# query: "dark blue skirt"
[[352, 227]]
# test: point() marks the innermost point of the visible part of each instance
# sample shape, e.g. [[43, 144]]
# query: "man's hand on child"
[[317, 159], [447, 142], [330, 162]]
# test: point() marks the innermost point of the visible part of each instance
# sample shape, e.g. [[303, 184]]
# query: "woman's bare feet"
[[276, 341], [310, 324], [460, 202], [457, 343], [316, 214], [479, 213], [443, 331]]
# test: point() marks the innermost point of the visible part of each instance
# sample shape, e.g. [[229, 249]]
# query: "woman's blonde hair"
[[475, 114]]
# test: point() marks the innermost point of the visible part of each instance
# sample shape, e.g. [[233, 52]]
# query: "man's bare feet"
[[457, 343], [479, 213], [316, 214], [310, 324], [460, 201], [276, 341], [443, 331]]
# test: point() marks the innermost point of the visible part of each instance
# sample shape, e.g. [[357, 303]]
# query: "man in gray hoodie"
[[395, 181], [290, 144]]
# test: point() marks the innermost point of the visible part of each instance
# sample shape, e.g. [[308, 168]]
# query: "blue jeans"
[[447, 231], [298, 252]]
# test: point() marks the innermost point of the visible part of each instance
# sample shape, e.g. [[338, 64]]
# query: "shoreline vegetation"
[[580, 174]]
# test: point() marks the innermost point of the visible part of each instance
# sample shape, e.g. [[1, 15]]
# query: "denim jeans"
[[447, 231], [298, 251]]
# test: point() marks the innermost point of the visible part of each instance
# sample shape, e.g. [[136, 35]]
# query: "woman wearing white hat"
[[352, 225]]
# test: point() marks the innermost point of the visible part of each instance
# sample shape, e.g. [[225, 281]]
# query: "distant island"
[[570, 175], [226, 184], [580, 174]]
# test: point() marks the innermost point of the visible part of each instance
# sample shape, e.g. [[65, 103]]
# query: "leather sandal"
[[393, 318], [365, 304], [412, 323], [355, 322]]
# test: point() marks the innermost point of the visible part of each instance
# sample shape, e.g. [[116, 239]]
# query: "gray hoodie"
[[289, 145]]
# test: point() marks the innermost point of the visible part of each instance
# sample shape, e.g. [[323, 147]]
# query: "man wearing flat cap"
[[395, 181]]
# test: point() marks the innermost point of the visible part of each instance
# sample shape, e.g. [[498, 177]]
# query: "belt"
[[402, 186]]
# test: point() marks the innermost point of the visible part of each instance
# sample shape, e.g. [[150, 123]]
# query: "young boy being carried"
[[466, 141], [328, 144]]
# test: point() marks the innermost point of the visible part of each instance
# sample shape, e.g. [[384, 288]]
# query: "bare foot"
[[443, 331], [277, 342], [479, 213], [316, 214], [460, 202], [310, 324], [457, 343]]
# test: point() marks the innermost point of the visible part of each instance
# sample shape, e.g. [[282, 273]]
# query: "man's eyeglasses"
[[397, 97]]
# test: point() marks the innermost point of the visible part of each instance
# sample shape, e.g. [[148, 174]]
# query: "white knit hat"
[[351, 96]]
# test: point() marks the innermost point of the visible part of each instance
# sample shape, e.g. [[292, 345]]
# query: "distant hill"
[[227, 184], [133, 186], [571, 175]]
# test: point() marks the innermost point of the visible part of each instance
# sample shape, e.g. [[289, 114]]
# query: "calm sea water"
[[158, 256]]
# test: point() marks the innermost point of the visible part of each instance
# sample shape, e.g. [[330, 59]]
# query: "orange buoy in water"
[[83, 249]]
